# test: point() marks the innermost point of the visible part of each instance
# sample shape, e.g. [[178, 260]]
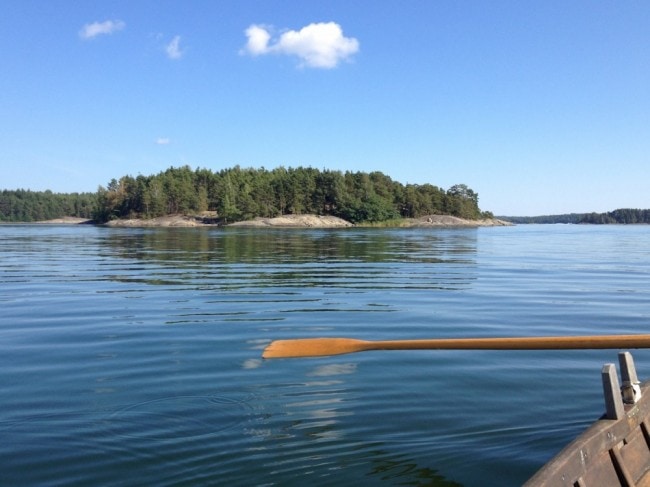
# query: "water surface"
[[133, 356]]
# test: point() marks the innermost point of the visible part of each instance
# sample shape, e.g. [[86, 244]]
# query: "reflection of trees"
[[260, 246], [401, 470], [359, 258]]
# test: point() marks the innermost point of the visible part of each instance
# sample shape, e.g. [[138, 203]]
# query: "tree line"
[[622, 215], [563, 218], [31, 206], [237, 194]]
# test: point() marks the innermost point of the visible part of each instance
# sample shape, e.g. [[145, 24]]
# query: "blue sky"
[[541, 107]]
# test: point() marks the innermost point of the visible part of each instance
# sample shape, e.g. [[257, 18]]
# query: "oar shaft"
[[517, 343]]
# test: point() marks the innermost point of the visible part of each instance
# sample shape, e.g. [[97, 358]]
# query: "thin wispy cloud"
[[317, 45], [90, 31], [163, 141], [173, 49]]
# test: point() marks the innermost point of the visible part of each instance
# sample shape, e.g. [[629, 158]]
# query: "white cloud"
[[163, 141], [318, 45], [95, 29], [258, 40], [173, 49]]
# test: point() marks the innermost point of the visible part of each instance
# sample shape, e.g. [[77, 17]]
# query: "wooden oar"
[[318, 347]]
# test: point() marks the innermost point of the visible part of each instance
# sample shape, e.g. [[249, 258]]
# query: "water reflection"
[[283, 259], [322, 434], [333, 369], [401, 470], [270, 245]]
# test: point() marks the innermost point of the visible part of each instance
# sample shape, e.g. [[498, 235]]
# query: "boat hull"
[[612, 452]]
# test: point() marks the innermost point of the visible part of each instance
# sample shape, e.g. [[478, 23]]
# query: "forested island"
[[243, 194], [622, 216], [237, 194], [565, 218]]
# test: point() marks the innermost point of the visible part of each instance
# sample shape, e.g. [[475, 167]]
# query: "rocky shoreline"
[[285, 221], [454, 221], [303, 221]]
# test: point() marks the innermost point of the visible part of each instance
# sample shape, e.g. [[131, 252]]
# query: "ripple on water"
[[179, 417]]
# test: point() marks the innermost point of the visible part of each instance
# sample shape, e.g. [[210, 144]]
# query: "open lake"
[[133, 356]]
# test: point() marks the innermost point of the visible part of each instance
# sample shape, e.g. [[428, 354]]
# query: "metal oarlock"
[[630, 387]]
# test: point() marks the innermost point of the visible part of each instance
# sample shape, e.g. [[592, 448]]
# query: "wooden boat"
[[614, 451]]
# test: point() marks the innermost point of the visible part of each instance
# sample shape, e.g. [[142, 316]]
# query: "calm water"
[[132, 356]]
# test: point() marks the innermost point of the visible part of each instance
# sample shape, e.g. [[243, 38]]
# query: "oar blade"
[[313, 347]]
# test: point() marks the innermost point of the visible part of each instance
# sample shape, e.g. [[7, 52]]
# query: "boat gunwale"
[[575, 460]]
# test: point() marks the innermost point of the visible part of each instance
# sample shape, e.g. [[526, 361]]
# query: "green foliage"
[[241, 194], [31, 206], [623, 216], [463, 202]]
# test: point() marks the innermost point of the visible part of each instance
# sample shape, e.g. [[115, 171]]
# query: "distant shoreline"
[[284, 221]]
